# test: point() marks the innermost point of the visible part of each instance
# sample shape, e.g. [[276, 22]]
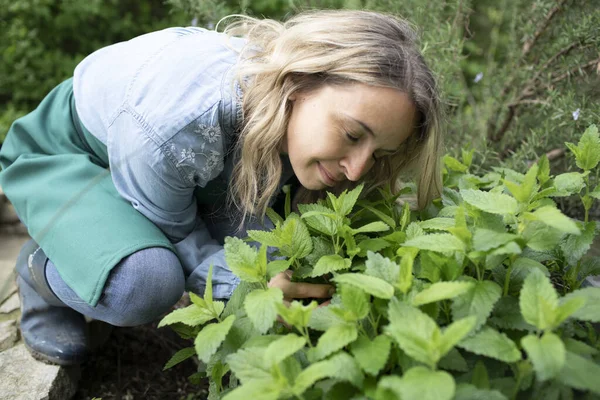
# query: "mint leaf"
[[334, 339], [540, 237], [356, 301], [414, 331], [191, 315], [505, 317], [276, 266], [324, 318], [320, 218], [381, 215], [371, 355], [414, 230], [371, 285], [587, 151], [491, 343], [348, 199], [264, 237], [243, 260], [568, 308], [441, 291], [595, 193], [495, 203], [297, 314], [264, 390], [438, 224], [538, 300], [552, 217], [382, 267], [282, 348], [453, 361], [485, 239], [372, 245], [465, 391], [568, 184], [420, 383], [590, 311], [249, 365], [340, 367], [377, 226], [210, 338], [546, 353], [454, 333], [405, 278], [478, 301], [330, 263], [580, 373], [179, 357], [439, 242], [260, 306], [576, 246]]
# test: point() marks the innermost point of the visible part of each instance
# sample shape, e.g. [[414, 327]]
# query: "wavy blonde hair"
[[329, 47]]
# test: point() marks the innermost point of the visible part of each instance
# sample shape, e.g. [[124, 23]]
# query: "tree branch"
[[541, 28]]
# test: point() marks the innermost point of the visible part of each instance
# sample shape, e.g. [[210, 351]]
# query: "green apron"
[[56, 175]]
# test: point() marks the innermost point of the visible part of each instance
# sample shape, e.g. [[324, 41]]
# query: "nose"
[[356, 164]]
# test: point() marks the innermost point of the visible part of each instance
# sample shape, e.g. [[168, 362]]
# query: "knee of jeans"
[[154, 283]]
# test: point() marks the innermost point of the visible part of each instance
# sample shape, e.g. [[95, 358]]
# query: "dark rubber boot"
[[52, 332]]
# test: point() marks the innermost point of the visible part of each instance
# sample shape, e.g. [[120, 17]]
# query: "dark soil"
[[129, 366]]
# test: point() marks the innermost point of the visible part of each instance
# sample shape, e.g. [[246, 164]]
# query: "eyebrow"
[[365, 127]]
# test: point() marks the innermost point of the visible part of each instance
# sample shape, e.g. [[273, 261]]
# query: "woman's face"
[[336, 133]]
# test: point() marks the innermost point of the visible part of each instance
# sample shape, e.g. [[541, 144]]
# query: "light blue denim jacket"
[[164, 105]]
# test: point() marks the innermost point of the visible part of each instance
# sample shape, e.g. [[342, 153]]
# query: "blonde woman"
[[130, 174]]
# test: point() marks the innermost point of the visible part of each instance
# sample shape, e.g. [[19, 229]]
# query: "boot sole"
[[46, 359]]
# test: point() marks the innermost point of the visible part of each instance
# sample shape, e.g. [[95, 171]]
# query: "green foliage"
[[474, 312]]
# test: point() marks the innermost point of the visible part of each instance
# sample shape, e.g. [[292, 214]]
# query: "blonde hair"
[[329, 47]]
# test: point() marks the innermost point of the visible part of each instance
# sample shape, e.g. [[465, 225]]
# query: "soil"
[[129, 366]]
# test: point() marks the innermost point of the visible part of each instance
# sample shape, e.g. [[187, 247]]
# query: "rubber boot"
[[52, 332]]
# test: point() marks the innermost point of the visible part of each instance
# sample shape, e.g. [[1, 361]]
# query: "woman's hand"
[[298, 290]]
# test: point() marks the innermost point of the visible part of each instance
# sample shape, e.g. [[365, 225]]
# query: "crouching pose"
[[129, 175]]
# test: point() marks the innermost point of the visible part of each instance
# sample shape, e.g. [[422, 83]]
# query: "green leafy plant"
[[479, 296]]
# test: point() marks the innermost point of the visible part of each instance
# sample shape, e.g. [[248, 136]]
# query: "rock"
[[11, 304], [23, 377], [8, 334]]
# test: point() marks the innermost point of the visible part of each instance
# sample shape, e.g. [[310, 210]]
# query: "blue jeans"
[[139, 289]]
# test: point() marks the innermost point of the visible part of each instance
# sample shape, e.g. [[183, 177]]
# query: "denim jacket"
[[164, 105]]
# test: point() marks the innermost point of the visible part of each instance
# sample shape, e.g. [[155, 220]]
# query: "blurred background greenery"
[[518, 77]]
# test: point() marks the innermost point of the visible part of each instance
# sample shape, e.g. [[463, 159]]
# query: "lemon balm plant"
[[479, 297]]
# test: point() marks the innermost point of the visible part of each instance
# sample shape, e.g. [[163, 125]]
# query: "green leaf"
[[371, 355], [481, 378], [495, 203], [595, 193], [414, 230], [414, 331], [348, 199], [568, 184], [381, 267], [381, 215], [590, 311], [372, 245], [405, 278], [341, 367], [324, 318], [441, 291], [282, 348], [580, 373], [438, 242], [505, 317], [356, 301], [243, 260], [263, 390], [478, 301], [249, 365], [276, 266], [546, 353], [264, 237], [568, 308], [552, 217], [454, 333], [371, 285], [297, 314], [485, 239], [538, 301], [540, 237], [453, 361], [587, 151], [420, 383], [465, 391], [576, 246], [453, 164], [439, 224], [274, 217], [330, 263], [180, 356], [579, 348], [334, 339], [296, 241], [191, 315], [377, 226], [320, 223], [491, 343], [260, 306], [210, 338]]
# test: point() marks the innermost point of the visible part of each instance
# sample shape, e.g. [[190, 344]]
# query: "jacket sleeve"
[[159, 180]]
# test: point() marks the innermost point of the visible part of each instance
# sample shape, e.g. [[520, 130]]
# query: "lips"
[[327, 177]]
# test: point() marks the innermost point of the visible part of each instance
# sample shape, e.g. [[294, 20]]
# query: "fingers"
[[299, 290]]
